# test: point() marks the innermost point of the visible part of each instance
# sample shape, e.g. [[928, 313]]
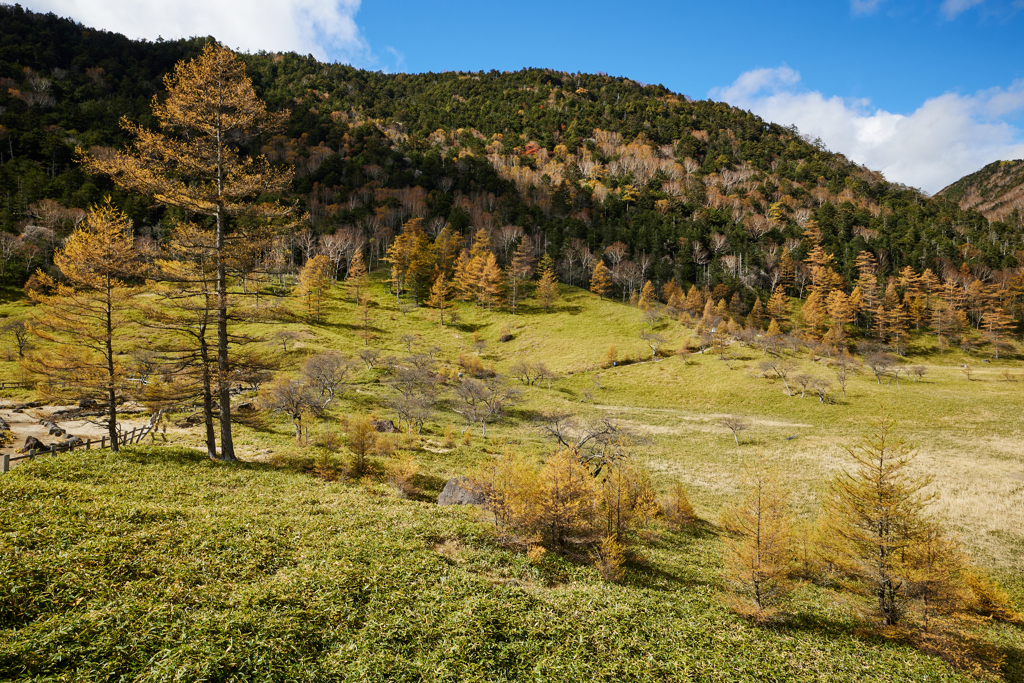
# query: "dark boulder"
[[461, 491], [386, 426], [33, 444]]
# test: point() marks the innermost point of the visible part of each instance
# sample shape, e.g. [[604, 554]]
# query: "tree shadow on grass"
[[148, 455], [1013, 664], [430, 487], [521, 415], [470, 327]]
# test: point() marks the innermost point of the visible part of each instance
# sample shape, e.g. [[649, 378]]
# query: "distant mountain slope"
[[700, 192], [996, 190]]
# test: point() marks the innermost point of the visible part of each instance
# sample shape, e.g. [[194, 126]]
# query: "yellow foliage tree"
[[315, 279], [191, 163], [601, 281], [648, 297], [759, 555], [547, 288], [439, 294], [356, 277], [875, 517], [87, 315]]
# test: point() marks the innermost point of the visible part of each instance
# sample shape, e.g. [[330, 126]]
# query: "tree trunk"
[[211, 436], [111, 388], [227, 446]]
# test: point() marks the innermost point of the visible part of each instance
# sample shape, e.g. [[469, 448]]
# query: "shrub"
[[400, 473], [610, 558], [677, 508]]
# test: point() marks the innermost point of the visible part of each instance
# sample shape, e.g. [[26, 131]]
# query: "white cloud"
[[951, 8], [946, 138], [324, 28], [864, 6]]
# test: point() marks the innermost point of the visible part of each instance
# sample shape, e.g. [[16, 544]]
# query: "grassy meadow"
[[158, 564]]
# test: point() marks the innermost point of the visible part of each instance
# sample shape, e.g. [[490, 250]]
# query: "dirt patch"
[[27, 423], [708, 419]]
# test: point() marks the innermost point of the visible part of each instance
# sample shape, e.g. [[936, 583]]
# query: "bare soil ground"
[[28, 423]]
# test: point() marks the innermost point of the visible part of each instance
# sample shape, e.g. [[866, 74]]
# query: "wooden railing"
[[134, 436], [15, 385]]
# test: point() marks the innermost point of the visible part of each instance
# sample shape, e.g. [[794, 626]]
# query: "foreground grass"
[[157, 564]]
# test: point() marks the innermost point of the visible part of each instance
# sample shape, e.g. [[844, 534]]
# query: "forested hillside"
[[997, 191], [587, 167]]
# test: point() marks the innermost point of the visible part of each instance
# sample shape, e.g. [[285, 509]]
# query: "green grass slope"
[[160, 565], [157, 564]]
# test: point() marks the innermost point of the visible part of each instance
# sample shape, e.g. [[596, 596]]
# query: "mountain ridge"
[[996, 191]]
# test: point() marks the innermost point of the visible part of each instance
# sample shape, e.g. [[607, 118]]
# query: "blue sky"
[[923, 91]]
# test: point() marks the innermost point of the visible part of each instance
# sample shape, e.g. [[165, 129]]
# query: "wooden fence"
[[134, 436], [16, 385]]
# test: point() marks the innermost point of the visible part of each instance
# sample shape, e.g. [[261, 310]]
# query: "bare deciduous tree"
[[735, 424], [293, 398], [326, 372], [781, 368], [483, 400]]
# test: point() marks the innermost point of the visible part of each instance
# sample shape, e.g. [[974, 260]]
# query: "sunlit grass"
[[968, 432]]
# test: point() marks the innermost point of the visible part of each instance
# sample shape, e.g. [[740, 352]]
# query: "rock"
[[4, 426], [71, 442], [245, 408], [54, 430], [505, 338], [87, 403], [33, 444], [385, 426], [460, 491]]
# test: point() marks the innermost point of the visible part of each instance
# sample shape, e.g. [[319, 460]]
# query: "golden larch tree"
[[356, 278], [601, 281], [87, 315], [191, 163], [315, 280], [648, 297], [547, 287], [440, 295], [759, 554], [184, 303], [875, 517], [518, 273]]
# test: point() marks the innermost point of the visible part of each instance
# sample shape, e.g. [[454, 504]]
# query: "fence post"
[[7, 463], [53, 449], [88, 444], [103, 442]]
